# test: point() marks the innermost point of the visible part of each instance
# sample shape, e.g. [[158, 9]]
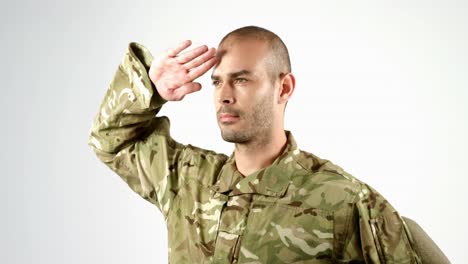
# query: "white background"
[[381, 91]]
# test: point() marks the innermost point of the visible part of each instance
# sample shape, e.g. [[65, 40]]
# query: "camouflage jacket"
[[300, 209]]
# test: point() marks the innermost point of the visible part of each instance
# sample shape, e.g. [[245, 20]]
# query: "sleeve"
[[383, 235], [128, 137]]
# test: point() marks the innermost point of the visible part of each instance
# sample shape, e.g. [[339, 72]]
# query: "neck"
[[257, 155]]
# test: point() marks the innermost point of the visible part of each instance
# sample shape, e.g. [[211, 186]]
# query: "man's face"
[[243, 91]]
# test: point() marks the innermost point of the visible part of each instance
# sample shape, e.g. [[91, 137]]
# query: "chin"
[[228, 136], [233, 136]]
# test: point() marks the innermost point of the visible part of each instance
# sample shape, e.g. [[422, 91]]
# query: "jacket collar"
[[270, 181]]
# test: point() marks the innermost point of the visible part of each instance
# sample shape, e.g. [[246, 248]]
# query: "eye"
[[216, 82], [240, 80]]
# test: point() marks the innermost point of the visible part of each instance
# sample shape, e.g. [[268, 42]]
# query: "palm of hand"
[[173, 73]]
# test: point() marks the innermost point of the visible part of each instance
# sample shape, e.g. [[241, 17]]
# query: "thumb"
[[187, 88]]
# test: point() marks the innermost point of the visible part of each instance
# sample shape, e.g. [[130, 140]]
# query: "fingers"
[[201, 69], [174, 72], [197, 61], [183, 45], [185, 89], [191, 54]]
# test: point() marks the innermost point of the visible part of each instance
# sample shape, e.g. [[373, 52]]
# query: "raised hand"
[[173, 74]]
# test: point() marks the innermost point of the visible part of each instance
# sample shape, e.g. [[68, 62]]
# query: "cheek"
[[245, 101], [215, 99], [259, 102]]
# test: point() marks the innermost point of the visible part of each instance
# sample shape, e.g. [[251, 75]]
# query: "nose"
[[225, 94]]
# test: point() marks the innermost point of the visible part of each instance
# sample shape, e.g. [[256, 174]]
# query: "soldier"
[[269, 202]]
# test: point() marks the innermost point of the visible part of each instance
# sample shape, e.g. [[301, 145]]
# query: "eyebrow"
[[233, 74]]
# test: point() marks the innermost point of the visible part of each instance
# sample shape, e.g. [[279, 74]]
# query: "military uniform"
[[300, 209]]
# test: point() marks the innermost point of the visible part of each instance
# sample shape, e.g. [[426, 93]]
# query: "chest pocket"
[[286, 234], [193, 223]]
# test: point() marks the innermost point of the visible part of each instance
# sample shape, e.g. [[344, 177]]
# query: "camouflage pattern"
[[301, 209]]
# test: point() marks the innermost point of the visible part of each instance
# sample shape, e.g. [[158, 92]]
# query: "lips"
[[228, 115], [228, 118]]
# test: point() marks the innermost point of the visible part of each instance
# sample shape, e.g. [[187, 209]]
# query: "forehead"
[[241, 55]]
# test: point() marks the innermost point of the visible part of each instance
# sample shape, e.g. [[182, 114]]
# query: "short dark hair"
[[281, 62]]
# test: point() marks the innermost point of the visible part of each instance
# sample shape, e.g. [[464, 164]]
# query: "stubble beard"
[[259, 122]]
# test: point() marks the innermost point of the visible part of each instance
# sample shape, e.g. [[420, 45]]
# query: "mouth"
[[227, 118]]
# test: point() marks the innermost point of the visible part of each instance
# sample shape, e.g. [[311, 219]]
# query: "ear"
[[287, 84]]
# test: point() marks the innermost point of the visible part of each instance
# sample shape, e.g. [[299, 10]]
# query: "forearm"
[[130, 103], [126, 134], [128, 137]]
